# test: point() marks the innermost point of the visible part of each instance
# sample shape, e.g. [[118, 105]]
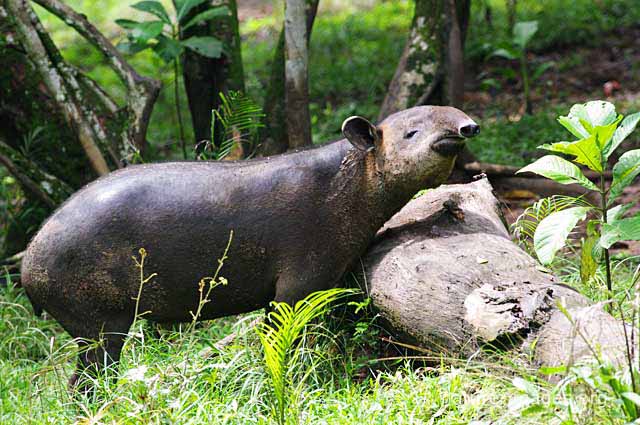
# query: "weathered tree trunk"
[[431, 68], [296, 71], [512, 9], [205, 78], [58, 128], [445, 274], [274, 136]]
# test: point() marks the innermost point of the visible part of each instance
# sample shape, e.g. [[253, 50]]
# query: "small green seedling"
[[163, 36], [516, 49], [600, 131]]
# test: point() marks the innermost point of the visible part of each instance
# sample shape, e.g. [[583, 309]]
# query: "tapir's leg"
[[99, 347], [296, 284]]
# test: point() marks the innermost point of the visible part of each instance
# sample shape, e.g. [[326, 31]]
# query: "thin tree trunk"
[[274, 136], [512, 9], [296, 71], [58, 128], [431, 67], [205, 78]]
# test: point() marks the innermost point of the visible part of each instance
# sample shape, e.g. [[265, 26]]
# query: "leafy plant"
[[600, 130], [516, 49], [526, 224], [238, 118], [164, 36], [281, 336]]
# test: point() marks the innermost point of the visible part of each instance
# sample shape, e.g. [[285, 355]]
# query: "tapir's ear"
[[360, 132]]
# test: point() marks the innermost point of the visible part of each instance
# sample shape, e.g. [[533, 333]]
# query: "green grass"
[[177, 376]]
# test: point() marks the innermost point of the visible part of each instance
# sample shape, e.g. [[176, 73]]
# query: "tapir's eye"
[[410, 134]]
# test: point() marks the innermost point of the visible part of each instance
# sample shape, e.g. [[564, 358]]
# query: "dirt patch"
[[609, 70], [254, 9]]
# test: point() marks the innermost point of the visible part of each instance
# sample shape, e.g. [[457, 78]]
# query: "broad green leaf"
[[183, 7], [505, 53], [585, 151], [127, 23], [627, 127], [616, 213], [624, 172], [553, 230], [168, 49], [574, 126], [131, 48], [560, 170], [588, 264], [145, 31], [206, 46], [596, 113], [626, 229], [207, 15], [155, 8], [523, 32], [604, 133], [633, 397]]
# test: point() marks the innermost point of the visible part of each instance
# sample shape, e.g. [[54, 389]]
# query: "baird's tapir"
[[299, 220]]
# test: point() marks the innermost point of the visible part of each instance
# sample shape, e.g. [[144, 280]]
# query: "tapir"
[[298, 220]]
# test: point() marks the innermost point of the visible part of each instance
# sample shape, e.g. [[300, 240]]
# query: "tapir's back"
[[182, 214]]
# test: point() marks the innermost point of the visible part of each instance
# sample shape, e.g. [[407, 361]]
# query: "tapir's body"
[[298, 221]]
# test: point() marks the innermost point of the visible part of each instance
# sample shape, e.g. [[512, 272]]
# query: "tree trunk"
[[58, 128], [205, 78], [512, 9], [445, 275], [296, 71], [274, 136], [431, 67]]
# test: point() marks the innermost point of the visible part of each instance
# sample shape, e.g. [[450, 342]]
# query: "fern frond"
[[280, 337], [526, 224], [239, 117]]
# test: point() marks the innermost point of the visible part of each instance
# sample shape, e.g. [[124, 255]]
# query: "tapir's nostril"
[[470, 130]]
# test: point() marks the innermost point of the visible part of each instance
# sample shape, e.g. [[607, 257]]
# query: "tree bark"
[[512, 9], [431, 67], [445, 275], [205, 78], [58, 128], [296, 71], [274, 136]]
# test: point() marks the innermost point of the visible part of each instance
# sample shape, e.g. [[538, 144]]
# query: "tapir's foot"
[[81, 386], [96, 353]]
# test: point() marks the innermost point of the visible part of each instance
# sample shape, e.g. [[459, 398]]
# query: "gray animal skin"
[[299, 220]]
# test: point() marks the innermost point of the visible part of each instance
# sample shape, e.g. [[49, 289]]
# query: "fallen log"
[[445, 275]]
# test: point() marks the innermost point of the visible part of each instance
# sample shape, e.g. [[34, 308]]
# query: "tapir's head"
[[415, 146]]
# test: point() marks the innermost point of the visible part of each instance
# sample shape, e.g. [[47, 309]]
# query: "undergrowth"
[[180, 375]]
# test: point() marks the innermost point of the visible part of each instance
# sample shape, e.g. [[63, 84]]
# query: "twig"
[[142, 91], [44, 186], [46, 58], [499, 170]]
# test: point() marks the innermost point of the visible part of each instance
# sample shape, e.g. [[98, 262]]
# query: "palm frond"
[[526, 224]]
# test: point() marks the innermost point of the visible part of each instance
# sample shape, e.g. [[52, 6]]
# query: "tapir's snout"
[[452, 143], [469, 130]]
